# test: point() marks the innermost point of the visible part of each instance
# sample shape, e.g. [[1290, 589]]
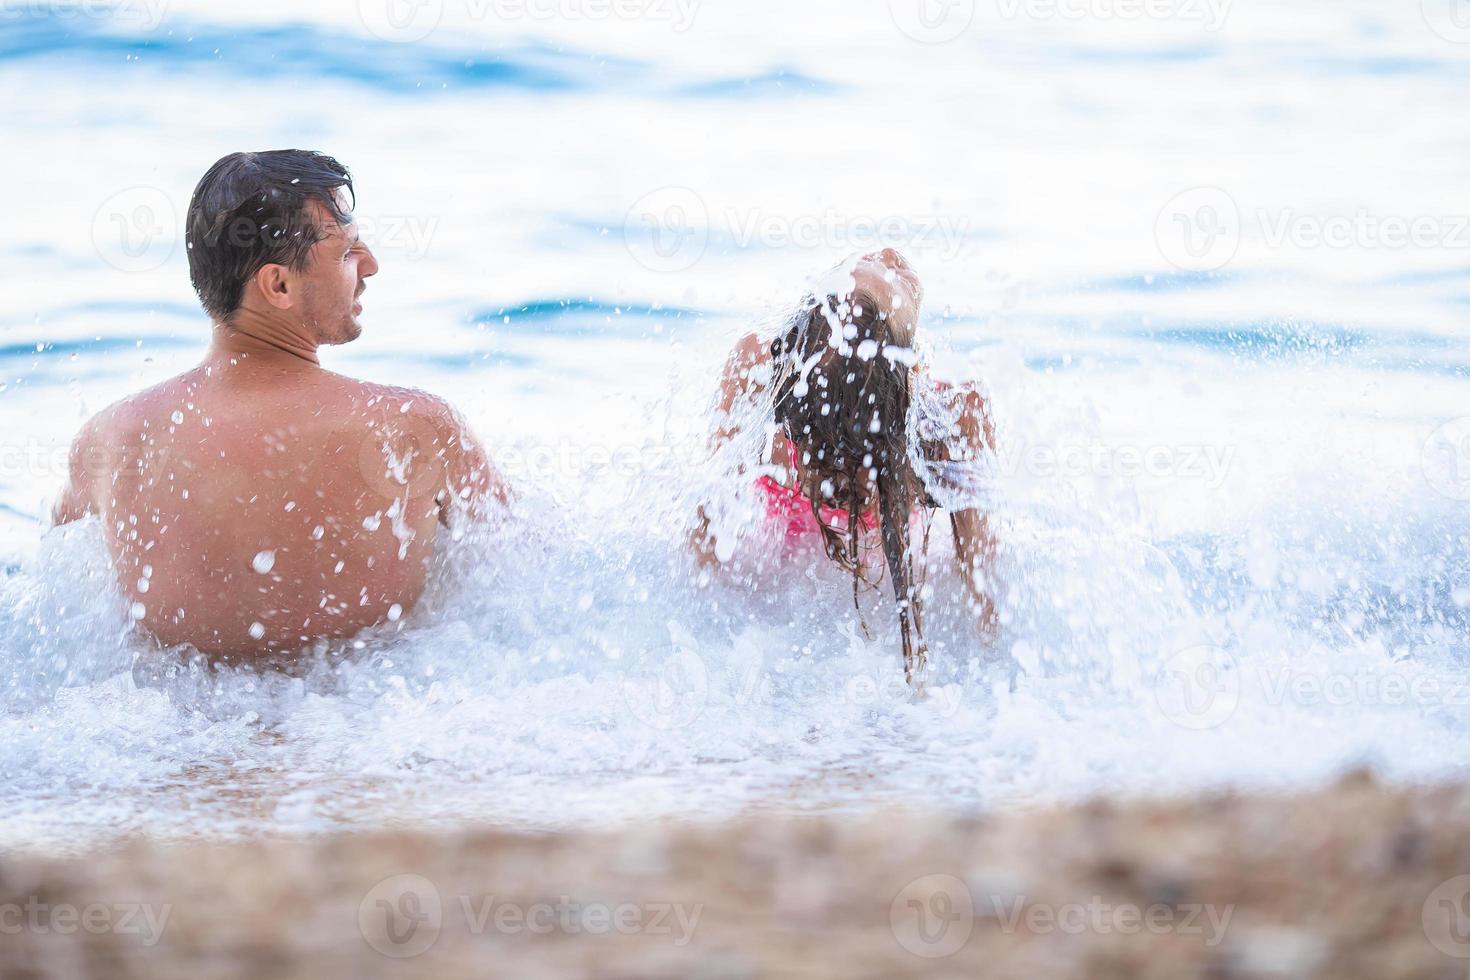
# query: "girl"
[[866, 445]]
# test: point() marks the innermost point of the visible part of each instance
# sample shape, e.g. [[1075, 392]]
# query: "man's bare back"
[[251, 508], [258, 502]]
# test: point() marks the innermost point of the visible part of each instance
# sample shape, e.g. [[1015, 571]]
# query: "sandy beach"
[[1354, 880]]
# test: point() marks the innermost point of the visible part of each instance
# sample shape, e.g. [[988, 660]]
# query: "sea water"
[[1211, 267]]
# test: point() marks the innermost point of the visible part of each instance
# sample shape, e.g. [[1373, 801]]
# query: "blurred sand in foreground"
[[1356, 880]]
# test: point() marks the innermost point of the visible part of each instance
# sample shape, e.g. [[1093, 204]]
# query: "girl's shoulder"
[[954, 451], [747, 370], [948, 400], [951, 418]]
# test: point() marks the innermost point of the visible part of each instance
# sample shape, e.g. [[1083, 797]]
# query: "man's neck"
[[263, 340]]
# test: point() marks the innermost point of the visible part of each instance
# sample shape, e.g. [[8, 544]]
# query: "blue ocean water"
[[1233, 450]]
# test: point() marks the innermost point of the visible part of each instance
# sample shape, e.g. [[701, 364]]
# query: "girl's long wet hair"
[[842, 390]]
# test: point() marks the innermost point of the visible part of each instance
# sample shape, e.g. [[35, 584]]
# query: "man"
[[258, 502]]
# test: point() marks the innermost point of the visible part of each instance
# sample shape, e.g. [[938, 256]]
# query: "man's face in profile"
[[334, 279]]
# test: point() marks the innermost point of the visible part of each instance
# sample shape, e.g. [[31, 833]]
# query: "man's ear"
[[274, 283]]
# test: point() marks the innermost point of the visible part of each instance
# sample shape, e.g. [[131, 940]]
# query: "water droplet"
[[395, 612], [264, 561], [257, 630]]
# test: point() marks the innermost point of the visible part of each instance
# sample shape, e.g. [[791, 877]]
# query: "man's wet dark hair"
[[253, 209]]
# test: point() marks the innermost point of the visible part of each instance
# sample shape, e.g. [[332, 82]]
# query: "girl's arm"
[[739, 384], [974, 543]]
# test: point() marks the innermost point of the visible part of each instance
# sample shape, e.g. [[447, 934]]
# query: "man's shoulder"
[[404, 400], [389, 402], [131, 413]]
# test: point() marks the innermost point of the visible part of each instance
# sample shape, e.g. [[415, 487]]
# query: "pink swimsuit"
[[789, 506]]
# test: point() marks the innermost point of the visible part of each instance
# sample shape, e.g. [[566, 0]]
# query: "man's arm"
[[76, 500], [974, 543], [738, 383]]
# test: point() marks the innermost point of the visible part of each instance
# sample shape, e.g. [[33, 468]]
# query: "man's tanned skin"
[[259, 502]]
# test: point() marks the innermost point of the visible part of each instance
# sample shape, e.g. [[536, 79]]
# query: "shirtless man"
[[259, 502]]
